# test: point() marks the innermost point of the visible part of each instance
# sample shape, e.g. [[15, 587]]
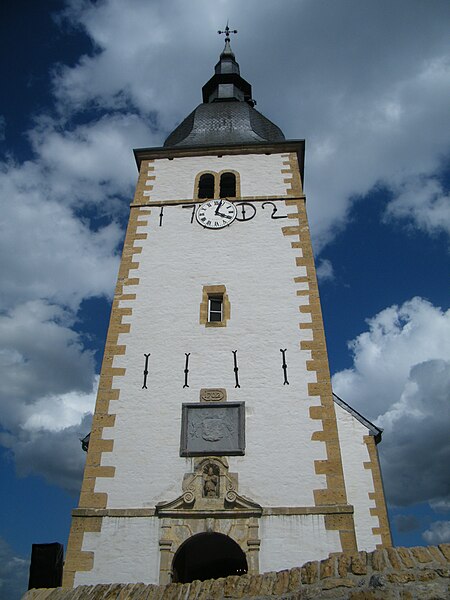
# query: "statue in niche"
[[211, 481]]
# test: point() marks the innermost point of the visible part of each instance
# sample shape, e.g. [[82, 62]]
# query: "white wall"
[[358, 480], [126, 550], [290, 541], [257, 265], [261, 175]]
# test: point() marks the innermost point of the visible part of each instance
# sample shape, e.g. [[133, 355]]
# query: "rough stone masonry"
[[391, 574]]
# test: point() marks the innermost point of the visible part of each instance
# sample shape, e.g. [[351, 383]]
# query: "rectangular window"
[[215, 308]]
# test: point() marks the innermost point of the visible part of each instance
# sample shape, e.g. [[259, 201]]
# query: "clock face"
[[215, 214]]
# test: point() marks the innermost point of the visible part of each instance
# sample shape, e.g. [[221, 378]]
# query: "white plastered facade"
[[257, 265], [358, 479]]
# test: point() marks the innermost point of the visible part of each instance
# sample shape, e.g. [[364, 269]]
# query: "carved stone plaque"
[[216, 428], [213, 395]]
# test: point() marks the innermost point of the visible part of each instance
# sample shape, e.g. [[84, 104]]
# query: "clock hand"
[[217, 209]]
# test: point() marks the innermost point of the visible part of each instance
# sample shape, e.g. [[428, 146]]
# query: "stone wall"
[[395, 573]]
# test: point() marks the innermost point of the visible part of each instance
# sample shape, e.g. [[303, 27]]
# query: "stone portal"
[[208, 556]]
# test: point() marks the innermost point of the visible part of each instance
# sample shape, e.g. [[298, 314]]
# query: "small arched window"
[[206, 186], [228, 185]]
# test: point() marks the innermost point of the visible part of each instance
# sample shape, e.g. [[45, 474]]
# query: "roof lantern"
[[227, 114]]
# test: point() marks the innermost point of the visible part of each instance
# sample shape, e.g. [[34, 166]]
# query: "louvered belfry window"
[[228, 185], [206, 186]]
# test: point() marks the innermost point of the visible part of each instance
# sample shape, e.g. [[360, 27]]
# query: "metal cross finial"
[[227, 32]]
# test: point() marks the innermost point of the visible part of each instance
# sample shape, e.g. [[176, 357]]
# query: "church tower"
[[217, 446]]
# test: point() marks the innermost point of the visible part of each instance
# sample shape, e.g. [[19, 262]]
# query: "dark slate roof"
[[227, 115], [222, 123]]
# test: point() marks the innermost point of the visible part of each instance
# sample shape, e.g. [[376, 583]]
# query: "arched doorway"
[[208, 556]]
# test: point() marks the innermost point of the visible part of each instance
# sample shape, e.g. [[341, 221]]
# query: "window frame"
[[214, 292], [215, 298]]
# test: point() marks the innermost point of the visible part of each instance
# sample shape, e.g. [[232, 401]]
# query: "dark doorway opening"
[[208, 556]]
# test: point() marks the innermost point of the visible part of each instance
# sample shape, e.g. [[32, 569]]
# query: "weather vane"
[[227, 32]]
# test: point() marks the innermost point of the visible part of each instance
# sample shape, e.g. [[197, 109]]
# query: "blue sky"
[[367, 84]]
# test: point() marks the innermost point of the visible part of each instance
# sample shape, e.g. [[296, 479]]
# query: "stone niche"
[[209, 503]]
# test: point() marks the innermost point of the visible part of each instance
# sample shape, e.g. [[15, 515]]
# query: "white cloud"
[[325, 271], [441, 505], [91, 163], [47, 392], [415, 451], [41, 357], [57, 412], [438, 533], [55, 455], [424, 203], [400, 379], [398, 338], [46, 252]]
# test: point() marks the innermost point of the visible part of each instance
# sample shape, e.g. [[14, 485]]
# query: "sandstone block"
[[183, 591], [421, 554], [139, 591], [309, 572], [337, 582], [343, 564], [243, 585], [426, 575], [204, 592], [170, 592], [99, 591], [281, 584], [359, 563], [194, 589], [216, 590], [267, 584], [327, 567], [406, 557], [393, 558], [254, 586], [229, 587], [436, 554], [114, 591], [378, 560], [80, 592], [443, 572], [400, 577], [294, 579], [445, 549]]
